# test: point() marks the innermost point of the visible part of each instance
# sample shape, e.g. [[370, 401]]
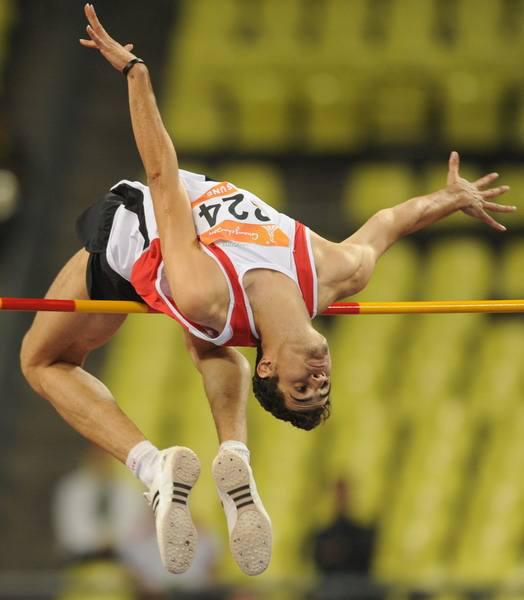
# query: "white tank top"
[[235, 227]]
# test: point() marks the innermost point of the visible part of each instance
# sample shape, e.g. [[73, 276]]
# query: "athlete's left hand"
[[476, 196], [116, 54]]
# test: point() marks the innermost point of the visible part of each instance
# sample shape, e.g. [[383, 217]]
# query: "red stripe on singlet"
[[242, 335], [304, 267]]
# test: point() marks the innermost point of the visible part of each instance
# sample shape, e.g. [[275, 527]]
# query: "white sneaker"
[[168, 496], [248, 523]]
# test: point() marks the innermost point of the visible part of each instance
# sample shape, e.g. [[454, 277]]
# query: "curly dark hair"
[[271, 398]]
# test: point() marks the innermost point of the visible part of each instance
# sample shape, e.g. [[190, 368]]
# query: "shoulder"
[[342, 268]]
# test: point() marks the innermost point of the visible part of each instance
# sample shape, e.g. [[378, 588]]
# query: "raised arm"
[[390, 224], [226, 375], [346, 267], [154, 145]]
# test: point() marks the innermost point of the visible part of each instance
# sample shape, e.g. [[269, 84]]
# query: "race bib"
[[225, 213]]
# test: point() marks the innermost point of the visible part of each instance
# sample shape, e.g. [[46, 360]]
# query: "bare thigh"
[[67, 337]]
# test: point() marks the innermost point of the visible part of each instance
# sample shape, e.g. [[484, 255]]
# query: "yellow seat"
[[373, 186], [333, 107], [419, 48], [193, 115], [471, 109], [512, 175], [495, 390], [344, 42], [510, 283], [262, 179], [399, 109], [262, 114], [478, 32]]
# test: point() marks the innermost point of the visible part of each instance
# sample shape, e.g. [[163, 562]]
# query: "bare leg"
[[52, 357]]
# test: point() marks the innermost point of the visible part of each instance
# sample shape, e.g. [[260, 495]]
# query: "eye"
[[301, 388]]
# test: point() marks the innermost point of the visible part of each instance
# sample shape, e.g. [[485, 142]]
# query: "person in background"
[[343, 548]]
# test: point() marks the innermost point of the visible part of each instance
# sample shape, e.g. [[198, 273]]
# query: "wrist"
[[134, 64]]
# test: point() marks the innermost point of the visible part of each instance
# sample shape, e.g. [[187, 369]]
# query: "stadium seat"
[[478, 32], [509, 282], [489, 547], [346, 40], [263, 179], [373, 186], [495, 388], [420, 48], [333, 105], [262, 106], [364, 357], [194, 114], [471, 109], [399, 108], [142, 391], [512, 175]]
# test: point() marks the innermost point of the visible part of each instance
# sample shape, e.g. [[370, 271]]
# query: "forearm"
[[226, 376], [419, 212], [152, 139]]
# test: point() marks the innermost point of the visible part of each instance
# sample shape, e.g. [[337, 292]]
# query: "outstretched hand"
[[477, 199], [116, 54]]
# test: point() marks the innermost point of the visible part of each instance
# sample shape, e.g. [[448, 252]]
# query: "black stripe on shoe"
[[179, 501], [182, 485], [181, 493], [243, 497], [155, 505], [239, 489], [245, 504]]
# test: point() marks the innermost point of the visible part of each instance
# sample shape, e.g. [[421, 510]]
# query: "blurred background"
[[329, 110]]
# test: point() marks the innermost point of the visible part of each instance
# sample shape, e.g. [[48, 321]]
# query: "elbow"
[[154, 176], [386, 219]]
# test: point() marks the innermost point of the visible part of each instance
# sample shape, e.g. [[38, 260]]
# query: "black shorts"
[[93, 228]]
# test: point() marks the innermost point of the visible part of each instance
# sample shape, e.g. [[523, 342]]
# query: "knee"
[[30, 365]]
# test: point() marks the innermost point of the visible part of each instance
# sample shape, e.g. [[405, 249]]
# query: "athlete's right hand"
[[116, 54]]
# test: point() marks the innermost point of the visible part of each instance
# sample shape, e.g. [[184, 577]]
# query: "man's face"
[[304, 376]]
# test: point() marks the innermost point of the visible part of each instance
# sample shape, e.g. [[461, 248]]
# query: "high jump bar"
[[340, 308]]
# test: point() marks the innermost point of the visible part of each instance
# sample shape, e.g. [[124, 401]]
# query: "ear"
[[264, 368]]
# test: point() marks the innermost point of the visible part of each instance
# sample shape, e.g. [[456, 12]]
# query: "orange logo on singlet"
[[220, 189], [247, 233]]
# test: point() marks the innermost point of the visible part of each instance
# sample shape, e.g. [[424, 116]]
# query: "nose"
[[319, 378]]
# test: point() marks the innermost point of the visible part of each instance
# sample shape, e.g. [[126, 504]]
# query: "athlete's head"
[[294, 385]]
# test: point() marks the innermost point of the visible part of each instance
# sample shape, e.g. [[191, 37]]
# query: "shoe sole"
[[251, 537], [177, 535]]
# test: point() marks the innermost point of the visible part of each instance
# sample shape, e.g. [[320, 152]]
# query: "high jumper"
[[233, 272]]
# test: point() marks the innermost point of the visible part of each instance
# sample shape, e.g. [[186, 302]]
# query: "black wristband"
[[130, 65]]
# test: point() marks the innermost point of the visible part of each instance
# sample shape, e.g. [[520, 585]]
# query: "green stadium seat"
[[193, 115], [363, 350], [495, 389], [426, 490], [489, 547], [263, 179], [344, 42], [399, 109], [333, 121], [373, 186], [419, 47], [142, 391], [478, 32], [471, 109], [263, 111], [512, 175], [510, 282]]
